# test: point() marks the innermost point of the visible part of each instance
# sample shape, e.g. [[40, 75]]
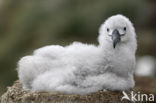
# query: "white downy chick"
[[82, 68]]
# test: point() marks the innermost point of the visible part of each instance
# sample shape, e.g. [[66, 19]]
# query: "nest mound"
[[15, 94]]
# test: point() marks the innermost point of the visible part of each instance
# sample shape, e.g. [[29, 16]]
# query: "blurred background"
[[26, 25]]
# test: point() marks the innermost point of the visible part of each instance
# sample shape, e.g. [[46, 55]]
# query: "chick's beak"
[[115, 37]]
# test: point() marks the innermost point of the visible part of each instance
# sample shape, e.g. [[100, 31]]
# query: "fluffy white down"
[[82, 68]]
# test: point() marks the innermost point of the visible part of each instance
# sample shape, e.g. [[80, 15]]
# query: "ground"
[[15, 94]]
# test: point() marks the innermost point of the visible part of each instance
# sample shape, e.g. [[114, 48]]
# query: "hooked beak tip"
[[114, 45]]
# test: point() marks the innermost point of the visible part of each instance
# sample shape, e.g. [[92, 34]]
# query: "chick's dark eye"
[[124, 28], [107, 29]]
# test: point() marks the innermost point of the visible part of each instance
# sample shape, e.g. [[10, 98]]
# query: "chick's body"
[[80, 68]]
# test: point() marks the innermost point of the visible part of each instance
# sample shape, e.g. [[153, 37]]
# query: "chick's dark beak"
[[115, 37]]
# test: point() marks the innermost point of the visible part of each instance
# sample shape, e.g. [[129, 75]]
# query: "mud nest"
[[15, 94]]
